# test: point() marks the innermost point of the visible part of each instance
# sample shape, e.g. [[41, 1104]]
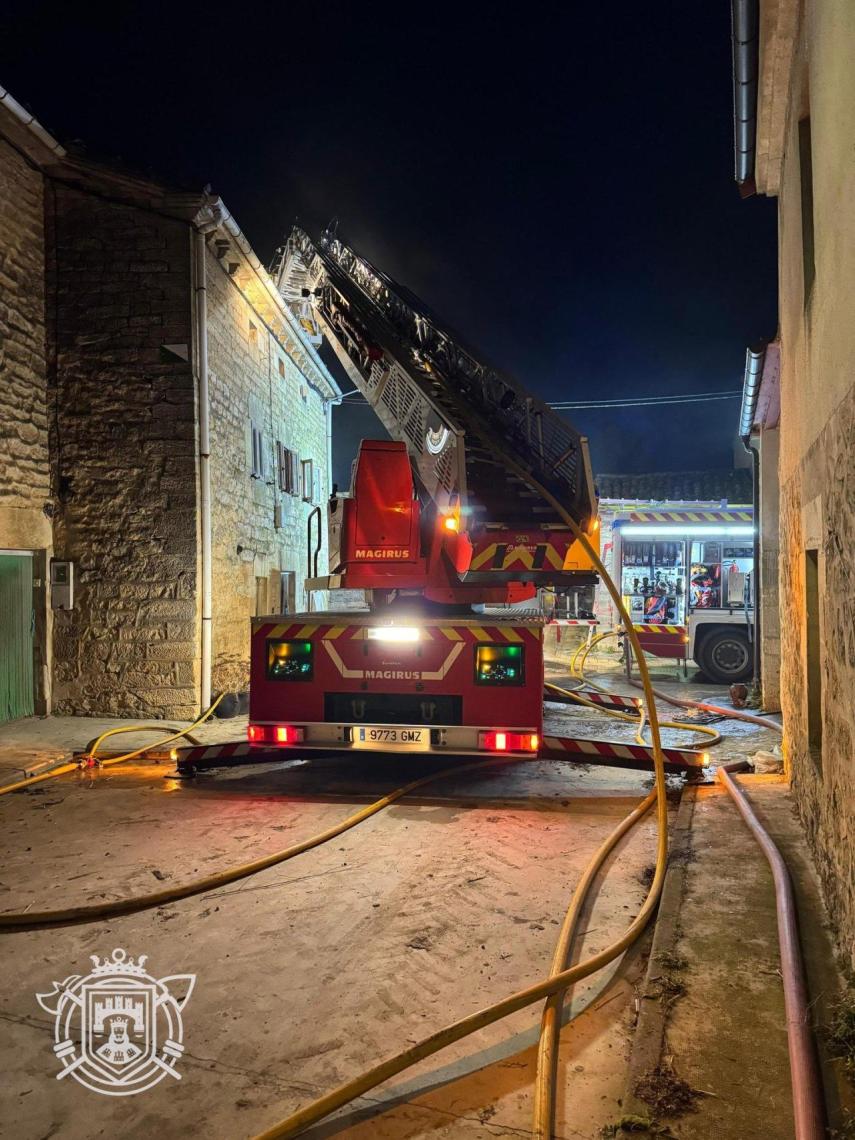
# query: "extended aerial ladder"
[[456, 511], [481, 448]]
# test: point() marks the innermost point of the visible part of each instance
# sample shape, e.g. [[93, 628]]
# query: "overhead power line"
[[646, 401], [629, 402]]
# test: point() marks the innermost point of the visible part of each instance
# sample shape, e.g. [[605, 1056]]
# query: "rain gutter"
[[745, 23]]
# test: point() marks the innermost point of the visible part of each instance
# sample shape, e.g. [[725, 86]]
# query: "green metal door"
[[16, 636]]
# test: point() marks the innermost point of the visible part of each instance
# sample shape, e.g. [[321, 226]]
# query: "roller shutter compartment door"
[[16, 637]]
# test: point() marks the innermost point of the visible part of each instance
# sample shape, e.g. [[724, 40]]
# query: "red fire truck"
[[687, 577], [442, 520]]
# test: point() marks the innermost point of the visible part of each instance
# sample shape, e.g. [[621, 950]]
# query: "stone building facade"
[[133, 314], [805, 117], [271, 403], [26, 536]]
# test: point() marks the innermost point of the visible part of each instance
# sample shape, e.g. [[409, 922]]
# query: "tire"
[[725, 656]]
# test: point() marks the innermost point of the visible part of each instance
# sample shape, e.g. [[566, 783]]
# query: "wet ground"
[[310, 972]]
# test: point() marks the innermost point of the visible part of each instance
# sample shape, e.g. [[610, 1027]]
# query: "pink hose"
[[808, 1103], [734, 714]]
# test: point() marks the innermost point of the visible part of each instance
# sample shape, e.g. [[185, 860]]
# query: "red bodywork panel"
[[663, 640], [356, 679], [381, 539]]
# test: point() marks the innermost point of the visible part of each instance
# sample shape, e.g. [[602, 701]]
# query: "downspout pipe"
[[744, 23], [754, 360], [200, 312]]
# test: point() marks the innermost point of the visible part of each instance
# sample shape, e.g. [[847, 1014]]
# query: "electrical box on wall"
[[62, 585]]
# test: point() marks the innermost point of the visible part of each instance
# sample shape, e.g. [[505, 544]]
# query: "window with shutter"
[[286, 462], [257, 460]]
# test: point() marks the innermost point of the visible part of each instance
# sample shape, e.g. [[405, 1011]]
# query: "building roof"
[[198, 208], [678, 486]]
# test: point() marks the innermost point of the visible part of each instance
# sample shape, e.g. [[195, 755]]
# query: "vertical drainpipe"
[[200, 309], [754, 359], [329, 402], [328, 407]]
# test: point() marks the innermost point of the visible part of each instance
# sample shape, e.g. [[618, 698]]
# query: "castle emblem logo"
[[118, 1031]]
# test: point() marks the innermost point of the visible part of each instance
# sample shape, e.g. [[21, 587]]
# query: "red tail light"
[[274, 734], [497, 741]]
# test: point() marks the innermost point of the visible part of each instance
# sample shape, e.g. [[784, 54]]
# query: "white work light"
[[393, 633]]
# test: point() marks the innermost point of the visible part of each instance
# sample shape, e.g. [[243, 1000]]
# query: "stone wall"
[[259, 530], [124, 457], [25, 473], [818, 512], [25, 470], [817, 438]]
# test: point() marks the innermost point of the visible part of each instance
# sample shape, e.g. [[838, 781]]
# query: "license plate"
[[395, 739]]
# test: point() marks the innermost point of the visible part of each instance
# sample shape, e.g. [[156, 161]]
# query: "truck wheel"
[[725, 656]]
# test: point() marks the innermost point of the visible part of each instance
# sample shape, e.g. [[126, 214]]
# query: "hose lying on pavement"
[[577, 671], [550, 1023], [808, 1102], [65, 768], [70, 916], [732, 714], [574, 697]]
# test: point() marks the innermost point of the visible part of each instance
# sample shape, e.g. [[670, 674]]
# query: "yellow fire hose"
[[550, 1024], [64, 768], [571, 694], [37, 920], [558, 982]]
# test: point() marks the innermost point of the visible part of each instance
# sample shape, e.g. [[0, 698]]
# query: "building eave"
[[779, 24], [761, 400], [26, 133], [216, 219]]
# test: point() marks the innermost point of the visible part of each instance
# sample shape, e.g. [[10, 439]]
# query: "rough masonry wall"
[[25, 471], [817, 507], [817, 442], [125, 459], [250, 551]]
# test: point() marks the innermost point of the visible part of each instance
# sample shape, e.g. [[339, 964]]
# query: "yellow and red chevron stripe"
[[691, 516], [299, 631], [517, 558], [485, 633], [659, 628], [296, 631]]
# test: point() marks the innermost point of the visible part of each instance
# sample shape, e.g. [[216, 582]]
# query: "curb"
[[649, 1037]]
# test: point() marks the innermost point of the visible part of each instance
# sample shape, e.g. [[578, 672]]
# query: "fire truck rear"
[[445, 529]]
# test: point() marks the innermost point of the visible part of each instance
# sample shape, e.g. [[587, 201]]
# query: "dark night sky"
[[557, 184]]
